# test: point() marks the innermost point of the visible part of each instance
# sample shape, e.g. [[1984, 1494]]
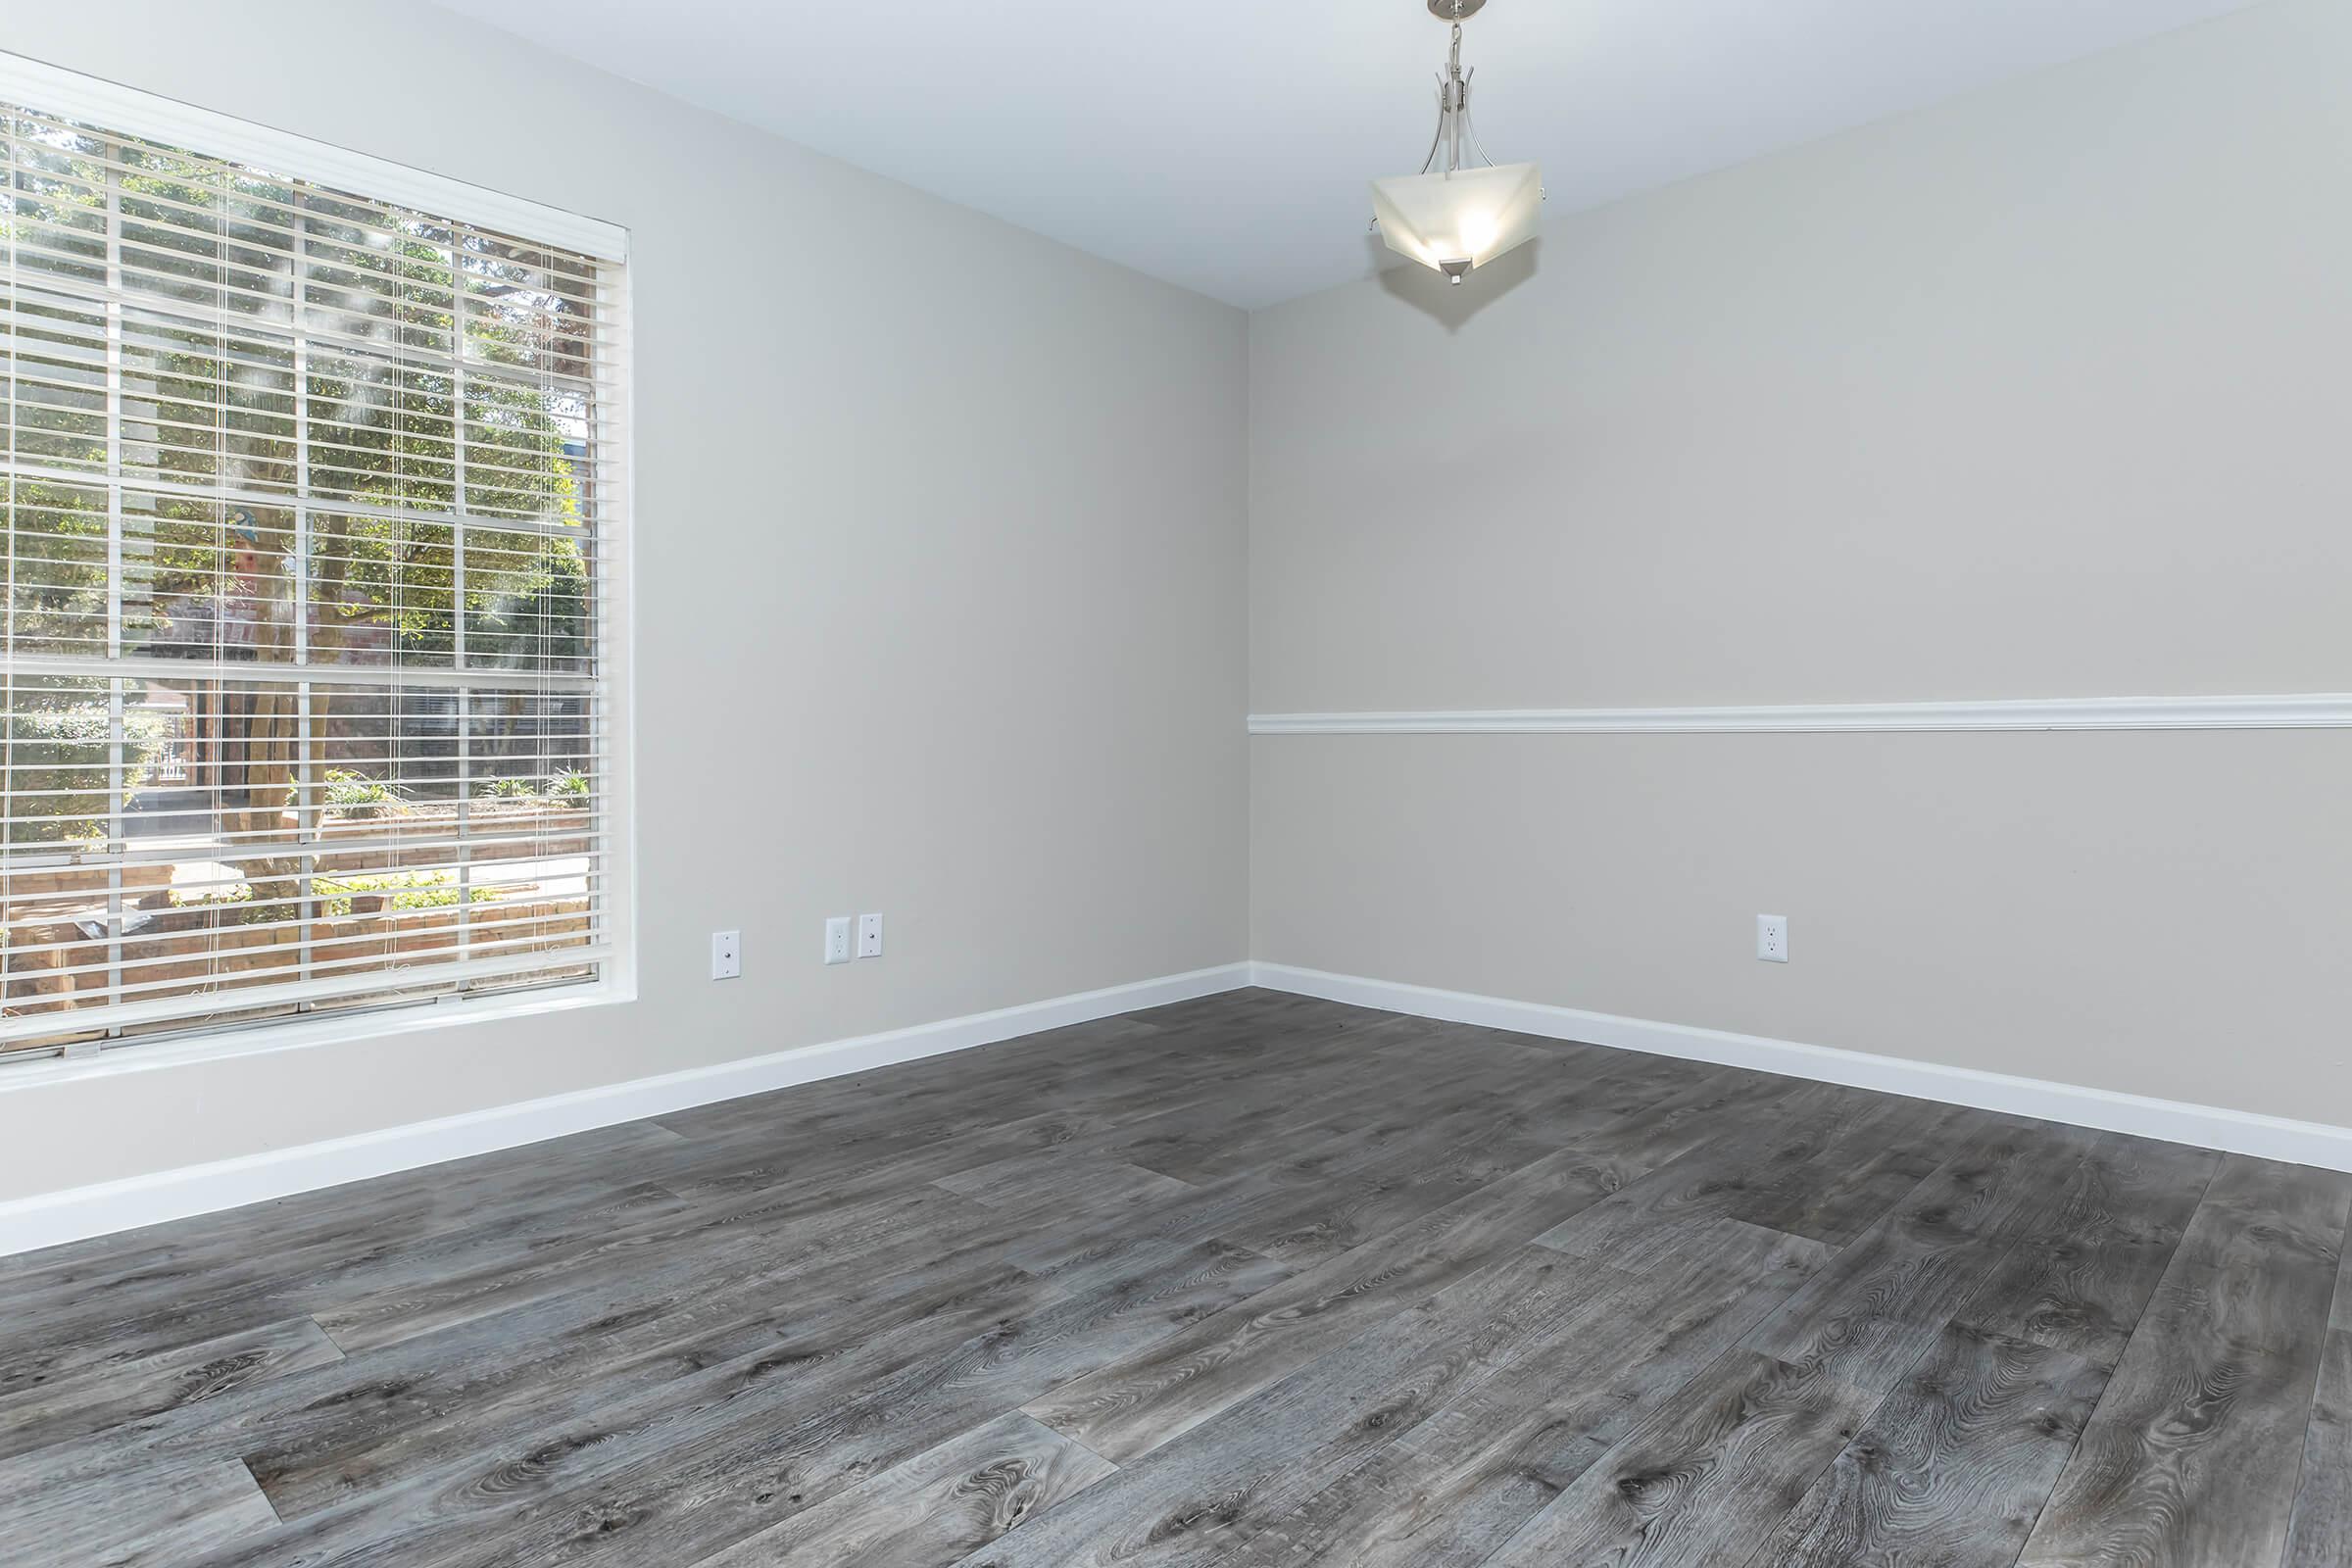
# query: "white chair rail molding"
[[2307, 711]]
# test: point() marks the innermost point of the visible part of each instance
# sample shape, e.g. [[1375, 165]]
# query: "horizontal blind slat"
[[485, 923], [315, 205], [353, 941]]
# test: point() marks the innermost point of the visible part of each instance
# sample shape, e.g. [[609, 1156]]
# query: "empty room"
[[1379, 783]]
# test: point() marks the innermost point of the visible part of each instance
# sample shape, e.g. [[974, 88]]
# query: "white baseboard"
[[49, 1218], [2239, 1132], [46, 1219]]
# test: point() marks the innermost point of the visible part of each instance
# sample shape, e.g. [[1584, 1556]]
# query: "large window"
[[313, 506]]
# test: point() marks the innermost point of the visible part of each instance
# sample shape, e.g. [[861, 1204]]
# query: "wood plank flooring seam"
[[1522, 1548], [1064, 1436], [258, 1489], [1926, 1353], [2179, 1463], [2338, 1301], [2071, 1448], [1870, 1401], [1731, 1353], [2076, 1448], [1756, 1557], [330, 1336], [1958, 1319]]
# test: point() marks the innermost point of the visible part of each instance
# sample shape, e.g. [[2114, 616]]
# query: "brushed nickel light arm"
[[1453, 105]]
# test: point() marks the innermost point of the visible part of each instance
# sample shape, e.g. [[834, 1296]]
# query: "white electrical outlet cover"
[[837, 939], [1772, 938]]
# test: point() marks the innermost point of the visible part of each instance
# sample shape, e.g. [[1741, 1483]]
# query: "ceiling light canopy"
[[1454, 219]]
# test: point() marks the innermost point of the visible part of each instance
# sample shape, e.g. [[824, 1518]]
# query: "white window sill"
[[268, 1037]]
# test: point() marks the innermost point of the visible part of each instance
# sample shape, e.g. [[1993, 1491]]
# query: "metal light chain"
[[1457, 93]]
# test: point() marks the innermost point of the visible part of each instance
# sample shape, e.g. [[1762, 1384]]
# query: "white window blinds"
[[313, 506]]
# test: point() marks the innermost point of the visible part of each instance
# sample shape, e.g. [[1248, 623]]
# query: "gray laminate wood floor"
[[1256, 1280]]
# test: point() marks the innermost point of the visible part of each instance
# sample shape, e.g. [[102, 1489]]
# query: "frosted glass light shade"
[[1472, 215]]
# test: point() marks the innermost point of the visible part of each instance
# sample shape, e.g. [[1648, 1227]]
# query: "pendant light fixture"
[[1454, 219]]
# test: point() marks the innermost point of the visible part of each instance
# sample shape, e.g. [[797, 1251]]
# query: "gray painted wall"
[[2034, 394], [2039, 393], [957, 513]]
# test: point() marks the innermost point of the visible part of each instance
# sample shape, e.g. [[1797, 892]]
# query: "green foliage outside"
[[235, 893], [409, 890], [57, 790], [565, 790], [357, 796], [197, 409]]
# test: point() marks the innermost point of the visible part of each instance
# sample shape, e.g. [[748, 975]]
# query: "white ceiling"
[[1225, 147]]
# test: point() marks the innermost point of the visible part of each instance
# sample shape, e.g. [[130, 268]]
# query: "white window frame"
[[92, 100]]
